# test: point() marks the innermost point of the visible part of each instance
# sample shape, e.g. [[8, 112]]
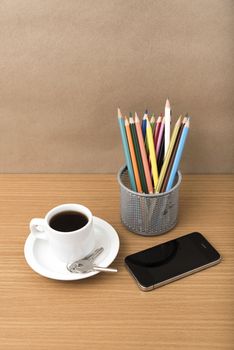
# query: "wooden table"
[[109, 311]]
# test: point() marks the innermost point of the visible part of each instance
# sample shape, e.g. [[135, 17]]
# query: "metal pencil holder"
[[148, 214]]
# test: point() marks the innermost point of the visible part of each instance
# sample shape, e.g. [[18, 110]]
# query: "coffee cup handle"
[[37, 227]]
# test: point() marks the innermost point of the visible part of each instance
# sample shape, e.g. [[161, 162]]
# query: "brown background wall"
[[65, 66]]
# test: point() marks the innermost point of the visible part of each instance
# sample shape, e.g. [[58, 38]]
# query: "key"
[[95, 254], [84, 266], [91, 257]]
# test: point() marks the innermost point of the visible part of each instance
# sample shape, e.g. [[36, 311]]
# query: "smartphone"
[[170, 261]]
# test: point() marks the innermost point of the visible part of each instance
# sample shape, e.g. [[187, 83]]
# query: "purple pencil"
[[160, 136]]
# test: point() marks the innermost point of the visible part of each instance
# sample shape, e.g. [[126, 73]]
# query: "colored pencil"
[[133, 156], [143, 125], [160, 157], [156, 130], [167, 126], [168, 155], [178, 156], [138, 154], [160, 136], [126, 151], [152, 156], [152, 153], [152, 122], [143, 154], [168, 172]]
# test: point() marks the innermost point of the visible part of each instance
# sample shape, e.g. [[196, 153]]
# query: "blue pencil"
[[144, 124], [126, 151], [178, 156]]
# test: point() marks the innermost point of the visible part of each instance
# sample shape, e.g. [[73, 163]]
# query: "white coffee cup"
[[67, 246]]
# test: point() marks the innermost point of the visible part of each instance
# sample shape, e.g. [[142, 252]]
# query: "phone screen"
[[171, 260]]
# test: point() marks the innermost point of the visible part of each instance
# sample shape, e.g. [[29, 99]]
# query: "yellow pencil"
[[133, 156], [168, 155], [152, 154]]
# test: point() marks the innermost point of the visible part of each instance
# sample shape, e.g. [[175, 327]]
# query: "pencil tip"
[[167, 105], [159, 119], [119, 113]]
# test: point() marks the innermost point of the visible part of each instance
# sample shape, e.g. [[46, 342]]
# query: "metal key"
[[84, 266], [91, 257], [95, 254]]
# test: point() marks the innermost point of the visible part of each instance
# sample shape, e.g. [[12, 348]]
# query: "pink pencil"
[[143, 154], [156, 130], [160, 134]]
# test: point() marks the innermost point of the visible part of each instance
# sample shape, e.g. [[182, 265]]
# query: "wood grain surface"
[[109, 311]]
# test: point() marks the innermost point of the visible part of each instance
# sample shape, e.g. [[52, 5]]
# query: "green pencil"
[[138, 154], [152, 122]]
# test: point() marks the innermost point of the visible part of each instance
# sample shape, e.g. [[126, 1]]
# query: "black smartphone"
[[170, 261]]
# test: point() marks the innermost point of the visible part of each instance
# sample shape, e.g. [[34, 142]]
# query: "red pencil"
[[143, 154], [160, 136], [156, 130]]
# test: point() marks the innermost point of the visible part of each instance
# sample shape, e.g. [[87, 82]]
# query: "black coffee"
[[67, 221]]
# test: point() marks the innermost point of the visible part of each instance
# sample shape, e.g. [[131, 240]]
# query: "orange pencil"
[[133, 156], [143, 154]]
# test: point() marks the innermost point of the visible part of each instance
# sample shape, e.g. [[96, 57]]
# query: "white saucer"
[[40, 258]]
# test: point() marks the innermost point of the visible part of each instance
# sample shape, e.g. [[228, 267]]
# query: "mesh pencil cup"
[[148, 214]]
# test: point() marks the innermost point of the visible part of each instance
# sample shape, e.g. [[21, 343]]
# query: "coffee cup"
[[68, 228]]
